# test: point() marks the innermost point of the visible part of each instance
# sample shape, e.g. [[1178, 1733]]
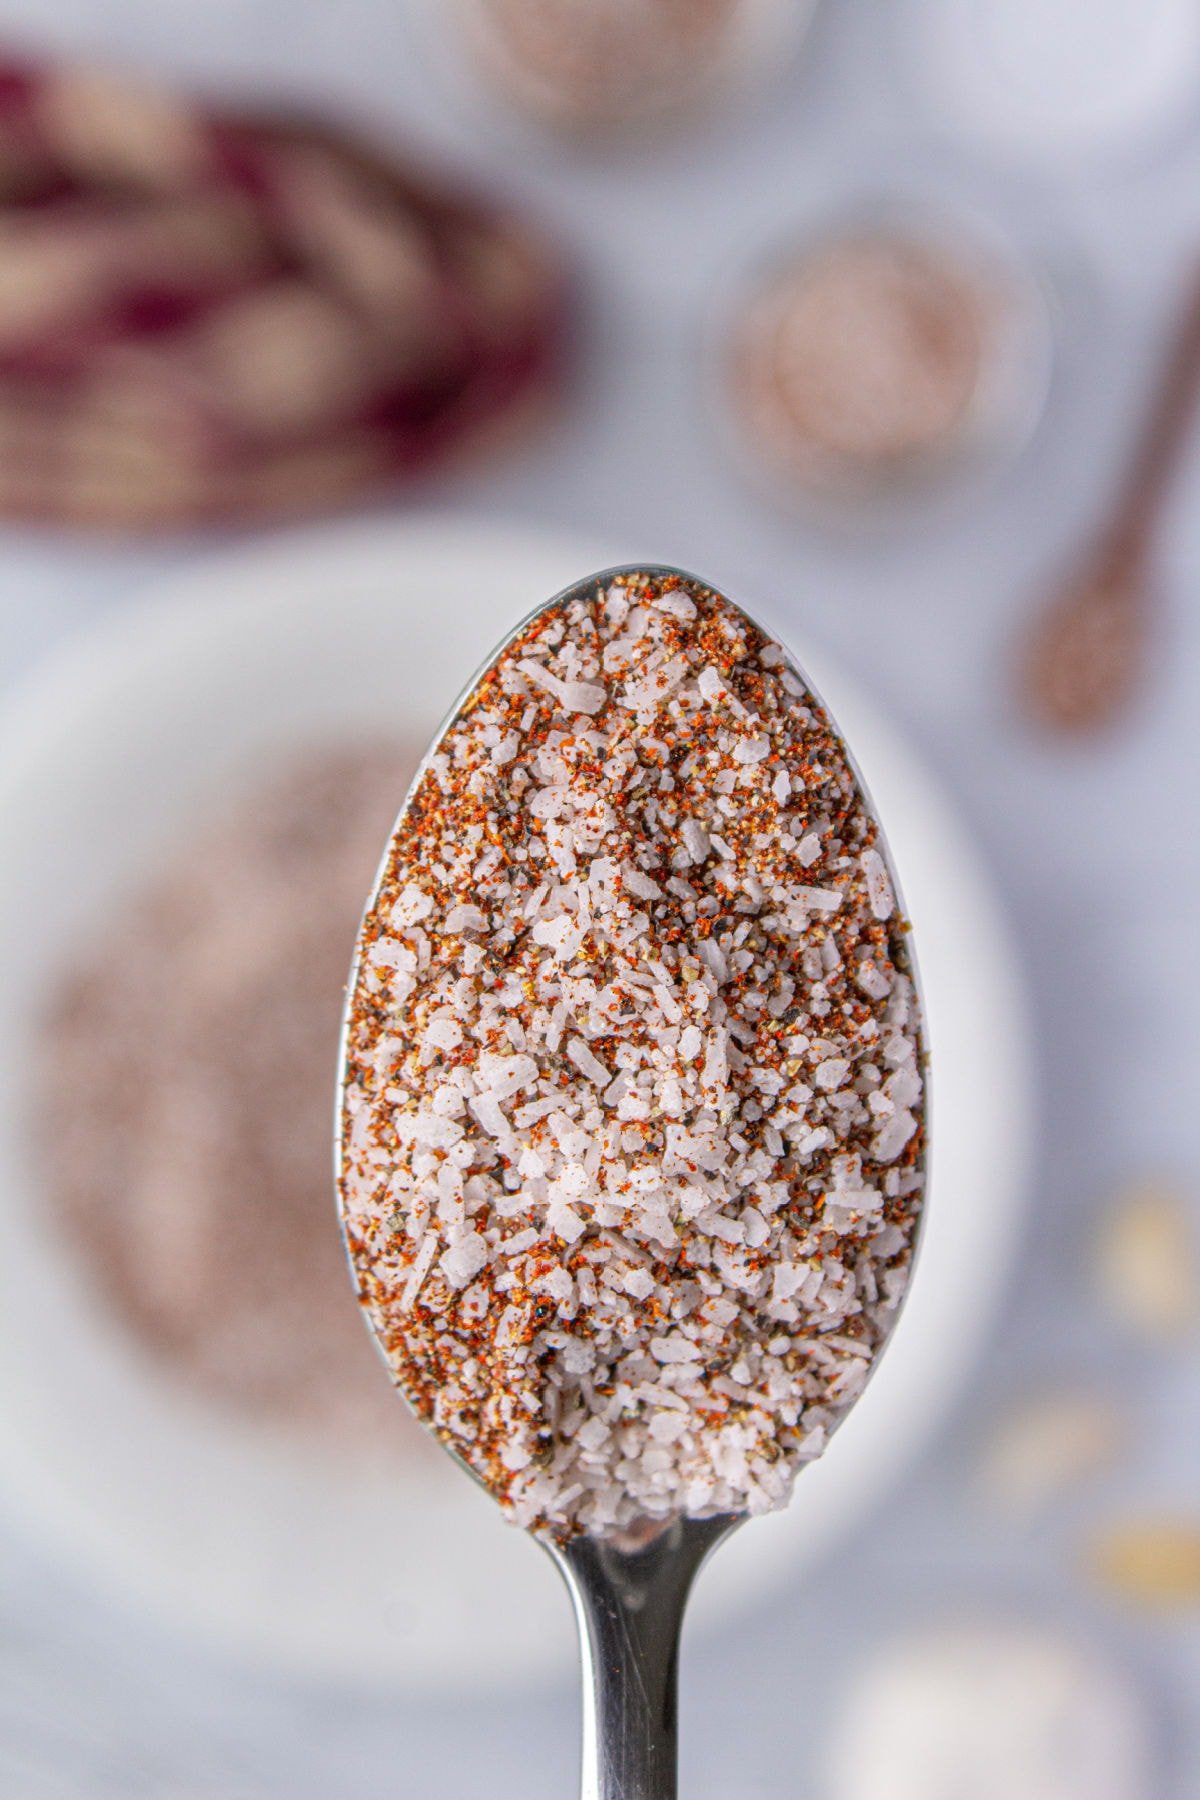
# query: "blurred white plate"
[[404, 1573]]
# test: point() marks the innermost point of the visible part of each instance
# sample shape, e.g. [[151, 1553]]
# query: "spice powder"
[[632, 1145], [181, 1107]]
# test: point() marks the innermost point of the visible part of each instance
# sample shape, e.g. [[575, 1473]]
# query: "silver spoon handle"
[[629, 1606]]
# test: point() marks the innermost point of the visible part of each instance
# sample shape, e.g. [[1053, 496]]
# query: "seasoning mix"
[[884, 355], [632, 1154], [619, 64], [184, 1100]]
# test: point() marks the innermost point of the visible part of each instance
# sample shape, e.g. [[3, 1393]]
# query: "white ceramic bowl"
[[403, 1573]]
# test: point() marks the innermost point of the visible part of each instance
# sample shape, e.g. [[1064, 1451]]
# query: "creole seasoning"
[[632, 1144]]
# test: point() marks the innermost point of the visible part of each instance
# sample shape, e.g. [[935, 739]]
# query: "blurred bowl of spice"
[[190, 1410], [209, 316], [893, 354], [623, 69], [182, 1097]]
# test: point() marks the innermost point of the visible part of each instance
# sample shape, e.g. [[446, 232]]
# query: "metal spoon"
[[629, 1602], [629, 1593], [1086, 656]]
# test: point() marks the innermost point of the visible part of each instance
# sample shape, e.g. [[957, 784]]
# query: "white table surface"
[[1096, 852]]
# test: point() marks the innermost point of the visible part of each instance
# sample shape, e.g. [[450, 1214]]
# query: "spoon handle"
[[629, 1606], [1164, 435]]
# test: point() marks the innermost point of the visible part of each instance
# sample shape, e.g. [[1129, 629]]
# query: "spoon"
[[629, 1602], [1085, 658], [629, 1587]]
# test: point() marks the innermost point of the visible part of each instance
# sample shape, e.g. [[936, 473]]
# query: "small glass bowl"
[[975, 385], [640, 69]]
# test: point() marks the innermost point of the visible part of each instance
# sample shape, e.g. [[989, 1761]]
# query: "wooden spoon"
[[1087, 654]]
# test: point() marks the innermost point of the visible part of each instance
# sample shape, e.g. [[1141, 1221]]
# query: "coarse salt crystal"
[[464, 1259], [668, 1427], [583, 696], [489, 1114], [465, 918], [566, 1223], [644, 886], [676, 604], [787, 1279], [871, 979], [819, 899], [892, 1136], [577, 1357], [502, 1076], [879, 886], [593, 1434], [442, 1034], [412, 905], [674, 1348], [586, 1063], [421, 1266]]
